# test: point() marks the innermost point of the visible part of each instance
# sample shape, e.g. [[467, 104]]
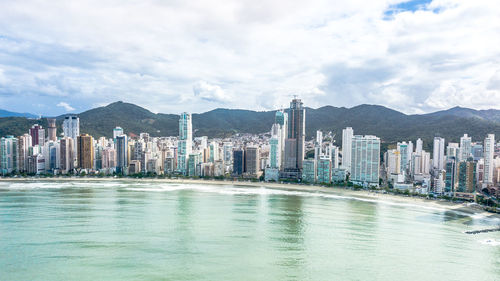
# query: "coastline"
[[466, 207]]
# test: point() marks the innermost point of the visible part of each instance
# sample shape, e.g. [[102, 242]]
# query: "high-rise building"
[[8, 154], [214, 151], [194, 159], [294, 143], [347, 135], [185, 142], [281, 118], [85, 152], [365, 156], [71, 128], [24, 152], [309, 171], [37, 133], [465, 148], [489, 151], [238, 162], [334, 156], [419, 145], [118, 131], [108, 158], [227, 149], [122, 157], [452, 150], [52, 129], [466, 176], [451, 178], [324, 170], [67, 154], [404, 152], [438, 160], [393, 162], [252, 161]]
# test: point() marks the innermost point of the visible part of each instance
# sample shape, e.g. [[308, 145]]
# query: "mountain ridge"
[[390, 125]]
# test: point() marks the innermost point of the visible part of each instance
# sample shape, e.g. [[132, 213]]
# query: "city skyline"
[[413, 56]]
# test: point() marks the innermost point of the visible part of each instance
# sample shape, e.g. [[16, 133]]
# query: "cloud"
[[408, 55], [209, 92], [66, 106]]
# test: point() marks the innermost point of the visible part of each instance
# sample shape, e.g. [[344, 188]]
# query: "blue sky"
[[171, 56]]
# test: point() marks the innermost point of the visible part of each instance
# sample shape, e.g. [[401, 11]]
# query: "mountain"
[[390, 125], [6, 113]]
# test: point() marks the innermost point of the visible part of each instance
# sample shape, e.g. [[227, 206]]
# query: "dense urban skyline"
[[413, 56]]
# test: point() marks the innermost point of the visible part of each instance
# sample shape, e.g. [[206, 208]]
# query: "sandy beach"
[[368, 195]]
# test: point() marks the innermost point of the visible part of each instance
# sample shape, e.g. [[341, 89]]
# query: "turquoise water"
[[158, 231]]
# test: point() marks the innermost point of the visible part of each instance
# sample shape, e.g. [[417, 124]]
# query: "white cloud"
[[174, 56], [66, 106], [209, 92]]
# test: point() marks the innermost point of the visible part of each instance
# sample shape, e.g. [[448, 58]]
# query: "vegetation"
[[390, 125]]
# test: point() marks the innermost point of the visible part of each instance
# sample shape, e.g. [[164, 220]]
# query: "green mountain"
[[388, 124]]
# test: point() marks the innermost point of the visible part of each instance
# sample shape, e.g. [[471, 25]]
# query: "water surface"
[[116, 230]]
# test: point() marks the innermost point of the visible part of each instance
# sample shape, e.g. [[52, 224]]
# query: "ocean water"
[[121, 230]]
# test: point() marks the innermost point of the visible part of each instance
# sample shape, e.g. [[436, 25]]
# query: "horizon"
[[415, 57]]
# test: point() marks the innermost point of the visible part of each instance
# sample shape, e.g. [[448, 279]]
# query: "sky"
[[419, 56]]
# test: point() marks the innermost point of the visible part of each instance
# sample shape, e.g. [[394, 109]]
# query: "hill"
[[6, 113], [388, 124]]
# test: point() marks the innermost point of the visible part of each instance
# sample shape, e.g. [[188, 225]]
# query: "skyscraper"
[[71, 128], [252, 161], [275, 147], [465, 148], [121, 154], [8, 154], [85, 151], [24, 151], [438, 161], [489, 151], [67, 154], [281, 118], [118, 131], [365, 155], [37, 133], [347, 135], [52, 129], [294, 143], [185, 142], [238, 162]]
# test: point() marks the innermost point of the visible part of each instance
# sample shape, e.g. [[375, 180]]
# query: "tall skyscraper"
[[438, 161], [275, 147], [465, 148], [24, 151], [281, 118], [347, 135], [85, 151], [404, 151], [118, 131], [185, 142], [67, 154], [121, 154], [8, 154], [252, 160], [294, 143], [37, 133], [365, 155], [71, 128], [238, 162], [52, 129], [489, 151], [419, 145]]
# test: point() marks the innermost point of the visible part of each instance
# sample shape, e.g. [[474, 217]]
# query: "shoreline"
[[464, 207]]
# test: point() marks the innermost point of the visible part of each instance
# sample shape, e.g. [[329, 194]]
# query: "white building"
[[185, 142], [438, 154], [365, 160], [489, 150], [347, 135]]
